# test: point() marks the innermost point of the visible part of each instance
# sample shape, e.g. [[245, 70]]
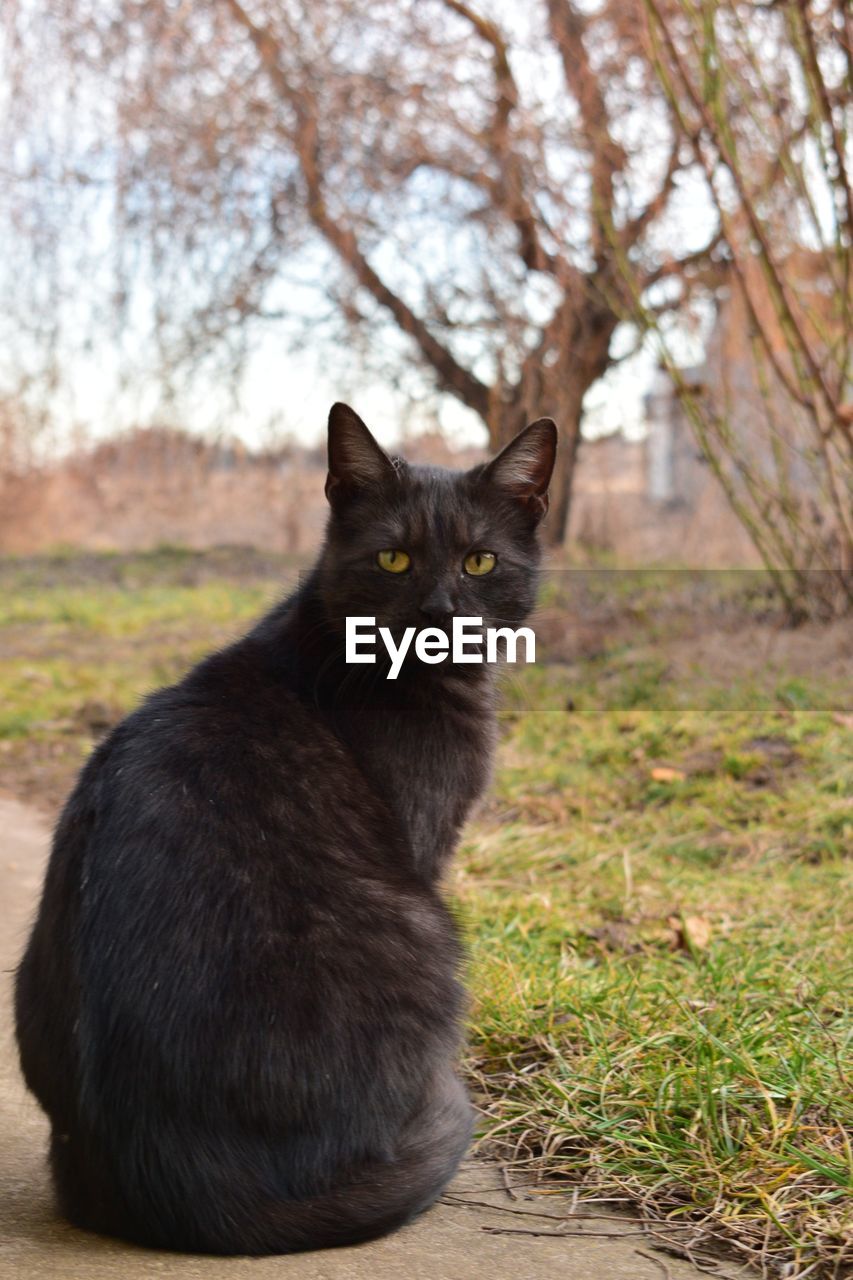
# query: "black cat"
[[239, 1004]]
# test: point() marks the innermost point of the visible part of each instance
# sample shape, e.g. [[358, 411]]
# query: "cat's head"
[[418, 545]]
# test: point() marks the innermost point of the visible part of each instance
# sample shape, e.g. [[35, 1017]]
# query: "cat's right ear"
[[355, 459], [523, 468]]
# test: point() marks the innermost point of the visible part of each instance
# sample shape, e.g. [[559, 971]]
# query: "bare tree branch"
[[452, 375], [508, 189], [569, 29]]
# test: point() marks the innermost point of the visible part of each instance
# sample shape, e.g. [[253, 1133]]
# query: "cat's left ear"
[[523, 467], [355, 459]]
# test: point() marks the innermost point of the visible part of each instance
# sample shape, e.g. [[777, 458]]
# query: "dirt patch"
[[764, 651], [41, 771]]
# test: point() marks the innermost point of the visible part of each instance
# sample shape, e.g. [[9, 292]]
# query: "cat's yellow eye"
[[480, 562], [393, 561]]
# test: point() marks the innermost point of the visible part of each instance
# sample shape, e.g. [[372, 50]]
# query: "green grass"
[[656, 896]]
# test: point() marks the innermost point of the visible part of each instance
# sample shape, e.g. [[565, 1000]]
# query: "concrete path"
[[456, 1240]]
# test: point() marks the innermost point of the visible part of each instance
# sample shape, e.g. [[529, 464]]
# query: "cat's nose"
[[438, 604]]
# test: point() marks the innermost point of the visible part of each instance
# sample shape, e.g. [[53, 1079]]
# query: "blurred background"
[[632, 215]]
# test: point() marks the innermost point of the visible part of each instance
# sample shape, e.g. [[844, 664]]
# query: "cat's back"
[[233, 760], [223, 871], [223, 820]]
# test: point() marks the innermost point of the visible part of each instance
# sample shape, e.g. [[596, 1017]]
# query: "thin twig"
[[650, 1257], [562, 1235], [461, 1203], [505, 1179]]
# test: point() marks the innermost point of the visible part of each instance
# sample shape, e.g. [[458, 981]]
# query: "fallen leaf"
[[844, 718], [692, 933], [663, 773]]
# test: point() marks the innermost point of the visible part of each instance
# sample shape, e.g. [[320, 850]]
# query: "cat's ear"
[[523, 468], [355, 459]]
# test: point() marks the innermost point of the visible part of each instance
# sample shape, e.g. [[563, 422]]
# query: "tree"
[[457, 178]]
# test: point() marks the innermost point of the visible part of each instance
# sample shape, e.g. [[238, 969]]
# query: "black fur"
[[239, 1004]]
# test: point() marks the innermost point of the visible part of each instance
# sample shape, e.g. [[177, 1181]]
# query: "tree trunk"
[[557, 390], [556, 523]]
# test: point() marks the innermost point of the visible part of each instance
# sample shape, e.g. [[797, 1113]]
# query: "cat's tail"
[[376, 1200], [380, 1199]]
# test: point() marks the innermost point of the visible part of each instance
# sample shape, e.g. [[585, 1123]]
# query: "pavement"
[[480, 1230]]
